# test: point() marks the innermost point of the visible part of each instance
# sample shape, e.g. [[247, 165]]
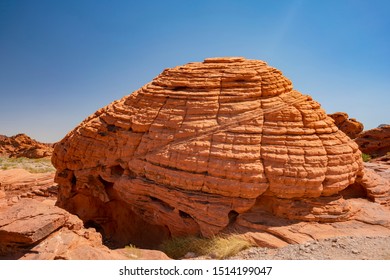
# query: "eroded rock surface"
[[33, 230], [375, 142], [22, 145], [16, 184], [26, 223], [200, 145], [349, 126]]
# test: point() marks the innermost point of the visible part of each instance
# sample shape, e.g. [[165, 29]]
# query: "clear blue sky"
[[60, 61]]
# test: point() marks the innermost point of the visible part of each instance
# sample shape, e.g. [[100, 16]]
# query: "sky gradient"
[[60, 61]]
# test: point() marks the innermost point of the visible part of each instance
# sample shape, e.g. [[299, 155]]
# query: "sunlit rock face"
[[199, 145]]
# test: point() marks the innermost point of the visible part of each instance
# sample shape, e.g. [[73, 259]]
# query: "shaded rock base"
[[33, 230], [119, 225]]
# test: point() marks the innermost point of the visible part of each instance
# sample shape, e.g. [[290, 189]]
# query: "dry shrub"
[[217, 247]]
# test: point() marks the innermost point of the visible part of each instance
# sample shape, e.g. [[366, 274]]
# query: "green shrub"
[[366, 157]]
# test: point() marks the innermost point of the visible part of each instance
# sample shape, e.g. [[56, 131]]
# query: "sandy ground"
[[340, 248]]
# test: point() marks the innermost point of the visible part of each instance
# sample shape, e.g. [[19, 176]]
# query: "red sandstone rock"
[[376, 186], [32, 230], [28, 222], [19, 183], [65, 244], [199, 145], [267, 230], [351, 127], [375, 142], [22, 145], [382, 163], [364, 217]]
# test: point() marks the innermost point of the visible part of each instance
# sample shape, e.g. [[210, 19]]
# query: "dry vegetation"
[[218, 247], [366, 157], [41, 165]]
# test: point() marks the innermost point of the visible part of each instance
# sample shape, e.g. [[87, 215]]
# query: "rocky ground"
[[19, 187], [340, 248]]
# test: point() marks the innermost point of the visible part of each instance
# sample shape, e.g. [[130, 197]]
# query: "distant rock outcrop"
[[351, 127], [200, 146], [375, 142], [22, 145]]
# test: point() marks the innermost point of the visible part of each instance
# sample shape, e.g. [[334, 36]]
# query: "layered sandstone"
[[200, 145], [22, 145], [33, 230], [375, 142], [349, 126], [16, 184]]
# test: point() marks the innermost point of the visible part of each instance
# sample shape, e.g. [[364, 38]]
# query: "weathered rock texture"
[[29, 222], [33, 230], [375, 142], [16, 184], [351, 127], [22, 145], [201, 144]]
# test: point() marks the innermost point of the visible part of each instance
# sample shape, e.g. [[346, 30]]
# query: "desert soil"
[[340, 248]]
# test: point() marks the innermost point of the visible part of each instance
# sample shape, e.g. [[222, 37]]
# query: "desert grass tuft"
[[40, 165], [217, 247], [366, 157]]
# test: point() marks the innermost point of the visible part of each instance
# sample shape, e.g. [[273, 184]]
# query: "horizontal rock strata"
[[197, 146], [375, 142], [21, 145], [351, 127], [33, 230], [16, 184]]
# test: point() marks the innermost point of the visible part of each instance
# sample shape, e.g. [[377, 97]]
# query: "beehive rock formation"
[[199, 145]]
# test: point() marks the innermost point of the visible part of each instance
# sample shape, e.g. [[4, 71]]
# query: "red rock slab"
[[85, 244], [370, 219], [19, 183], [65, 244], [29, 221]]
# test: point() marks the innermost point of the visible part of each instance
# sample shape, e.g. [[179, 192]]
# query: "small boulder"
[[350, 127]]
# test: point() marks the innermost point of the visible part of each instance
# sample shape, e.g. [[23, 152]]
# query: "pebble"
[[190, 255], [39, 192], [342, 245]]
